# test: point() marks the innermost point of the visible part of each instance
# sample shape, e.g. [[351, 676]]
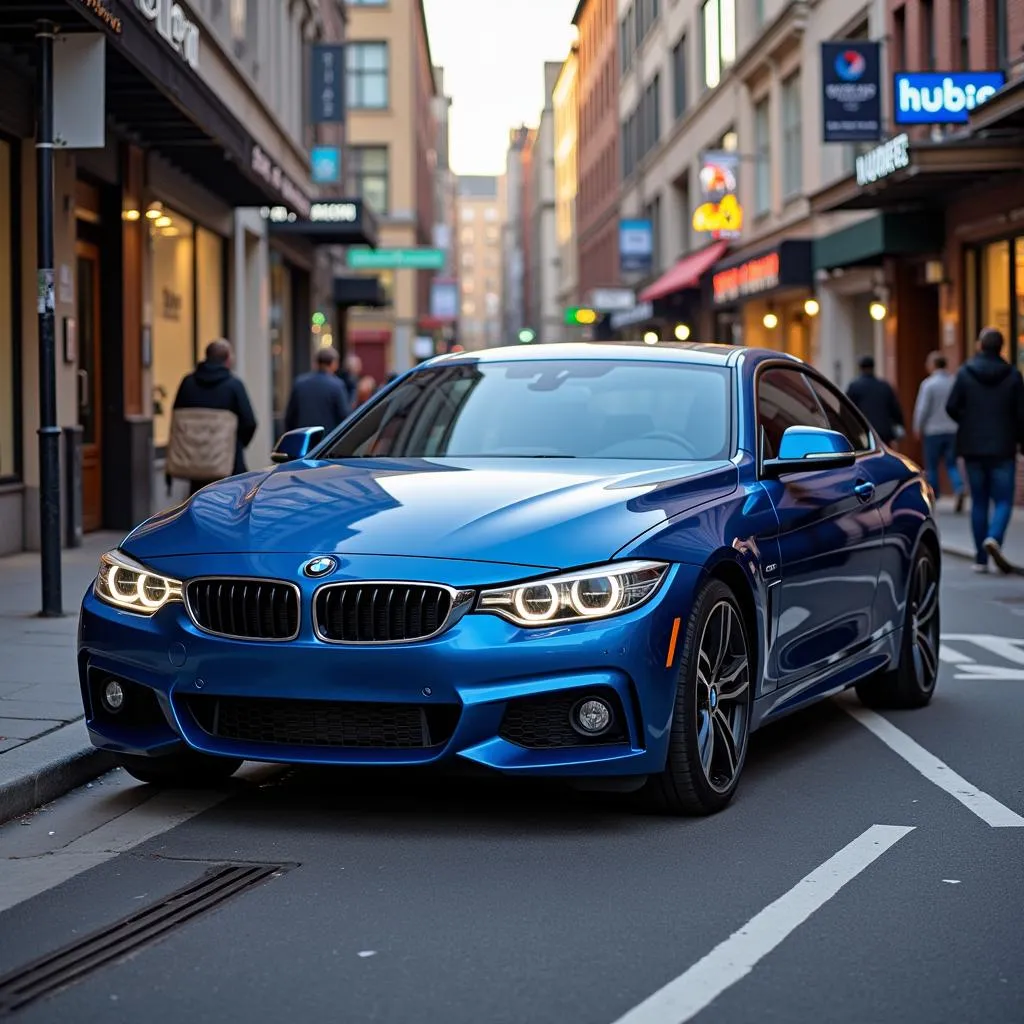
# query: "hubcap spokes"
[[924, 621], [723, 684]]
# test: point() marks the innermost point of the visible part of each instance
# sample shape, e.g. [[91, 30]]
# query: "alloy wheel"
[[924, 622], [723, 697]]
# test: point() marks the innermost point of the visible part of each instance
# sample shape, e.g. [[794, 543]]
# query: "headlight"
[[576, 596], [132, 587]]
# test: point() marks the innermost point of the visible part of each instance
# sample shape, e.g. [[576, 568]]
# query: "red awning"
[[686, 273]]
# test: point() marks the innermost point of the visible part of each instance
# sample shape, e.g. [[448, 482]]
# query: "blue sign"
[[326, 164], [851, 100], [636, 246], [942, 97]]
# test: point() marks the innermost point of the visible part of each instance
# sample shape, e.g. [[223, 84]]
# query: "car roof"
[[702, 353]]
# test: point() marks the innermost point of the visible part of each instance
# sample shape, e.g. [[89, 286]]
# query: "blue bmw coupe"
[[607, 563]]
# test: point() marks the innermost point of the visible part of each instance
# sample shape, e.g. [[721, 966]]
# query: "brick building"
[[597, 203]]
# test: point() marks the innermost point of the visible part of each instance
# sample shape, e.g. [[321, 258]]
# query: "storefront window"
[[8, 456], [174, 348], [281, 336], [995, 288], [209, 288], [1018, 280]]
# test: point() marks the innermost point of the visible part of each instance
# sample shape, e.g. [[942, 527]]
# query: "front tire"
[[711, 722], [912, 683], [187, 769]]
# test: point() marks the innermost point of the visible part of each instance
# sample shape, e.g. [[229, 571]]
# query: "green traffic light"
[[319, 319]]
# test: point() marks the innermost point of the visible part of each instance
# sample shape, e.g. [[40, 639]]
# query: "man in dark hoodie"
[[877, 401], [987, 403], [212, 385]]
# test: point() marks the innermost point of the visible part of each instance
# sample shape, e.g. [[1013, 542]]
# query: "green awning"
[[884, 234]]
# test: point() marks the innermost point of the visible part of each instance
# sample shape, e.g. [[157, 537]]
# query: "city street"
[[441, 901]]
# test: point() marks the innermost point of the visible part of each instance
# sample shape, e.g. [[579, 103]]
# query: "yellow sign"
[[723, 219]]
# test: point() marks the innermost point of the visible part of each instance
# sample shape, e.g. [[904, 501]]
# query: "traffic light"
[[527, 334], [580, 315]]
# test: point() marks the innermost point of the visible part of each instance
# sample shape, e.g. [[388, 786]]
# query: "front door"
[[89, 408], [830, 540]]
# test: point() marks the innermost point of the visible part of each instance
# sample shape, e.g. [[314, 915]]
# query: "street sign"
[[611, 300], [395, 259], [326, 163]]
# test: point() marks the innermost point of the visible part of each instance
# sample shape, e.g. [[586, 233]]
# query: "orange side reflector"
[[672, 644]]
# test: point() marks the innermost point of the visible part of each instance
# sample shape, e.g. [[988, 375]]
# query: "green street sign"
[[395, 259]]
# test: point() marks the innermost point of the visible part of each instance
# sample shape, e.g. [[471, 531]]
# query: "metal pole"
[[49, 432]]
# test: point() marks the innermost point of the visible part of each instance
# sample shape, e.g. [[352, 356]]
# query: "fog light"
[[592, 717], [113, 695]]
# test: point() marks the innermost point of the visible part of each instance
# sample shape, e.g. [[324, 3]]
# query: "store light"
[[155, 210], [326, 340], [682, 332], [130, 215], [650, 338], [812, 307], [169, 232], [771, 321], [163, 222], [877, 310], [315, 328]]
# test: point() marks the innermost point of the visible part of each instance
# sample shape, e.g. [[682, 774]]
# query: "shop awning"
[[922, 174], [1004, 110], [881, 234], [686, 274], [154, 96], [330, 222], [359, 291]]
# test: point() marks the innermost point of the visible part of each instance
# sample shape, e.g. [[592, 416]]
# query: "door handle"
[[864, 489], [83, 389]]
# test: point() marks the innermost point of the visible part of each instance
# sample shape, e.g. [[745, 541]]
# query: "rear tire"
[[912, 683], [187, 769], [711, 721]]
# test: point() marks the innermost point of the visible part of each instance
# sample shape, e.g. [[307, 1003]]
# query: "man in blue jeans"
[[987, 404], [935, 428]]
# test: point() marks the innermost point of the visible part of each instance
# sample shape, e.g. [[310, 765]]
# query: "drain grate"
[[77, 960]]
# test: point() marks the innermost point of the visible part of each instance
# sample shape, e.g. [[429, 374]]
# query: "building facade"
[[542, 308], [162, 240], [480, 214], [513, 263], [597, 202], [391, 158], [566, 104]]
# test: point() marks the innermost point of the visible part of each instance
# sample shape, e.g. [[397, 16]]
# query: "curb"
[[956, 551], [48, 767]]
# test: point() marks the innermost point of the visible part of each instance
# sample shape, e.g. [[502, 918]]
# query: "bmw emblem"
[[322, 566]]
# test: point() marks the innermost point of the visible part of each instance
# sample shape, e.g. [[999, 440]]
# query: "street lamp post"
[[49, 432]]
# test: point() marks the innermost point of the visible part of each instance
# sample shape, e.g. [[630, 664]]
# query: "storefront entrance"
[[994, 294], [88, 327]]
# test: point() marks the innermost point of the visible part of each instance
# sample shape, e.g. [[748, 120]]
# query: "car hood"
[[543, 514]]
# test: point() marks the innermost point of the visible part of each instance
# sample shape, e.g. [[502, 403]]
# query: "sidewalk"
[[44, 748], [955, 532]]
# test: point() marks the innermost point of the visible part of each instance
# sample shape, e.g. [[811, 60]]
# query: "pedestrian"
[[987, 404], [318, 399], [877, 401], [365, 389], [212, 421], [932, 424], [350, 375]]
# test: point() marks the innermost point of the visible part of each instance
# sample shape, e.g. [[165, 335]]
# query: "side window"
[[784, 399], [842, 416]]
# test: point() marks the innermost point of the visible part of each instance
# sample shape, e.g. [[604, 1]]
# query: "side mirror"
[[296, 444], [809, 450]]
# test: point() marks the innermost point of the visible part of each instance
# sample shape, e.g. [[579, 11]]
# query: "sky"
[[494, 69]]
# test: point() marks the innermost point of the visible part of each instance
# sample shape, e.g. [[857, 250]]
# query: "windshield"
[[596, 409]]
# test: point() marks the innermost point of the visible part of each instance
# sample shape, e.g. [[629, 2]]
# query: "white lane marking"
[[1002, 646], [977, 672], [732, 960], [952, 656], [986, 807]]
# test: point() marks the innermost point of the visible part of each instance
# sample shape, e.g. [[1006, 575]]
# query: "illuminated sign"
[[723, 219], [99, 9], [931, 97], [580, 315], [182, 35], [757, 275], [345, 213], [883, 160]]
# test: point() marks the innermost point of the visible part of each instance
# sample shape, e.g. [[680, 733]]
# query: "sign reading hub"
[[940, 97]]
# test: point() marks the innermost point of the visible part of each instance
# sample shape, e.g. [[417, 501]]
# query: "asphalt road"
[[855, 879]]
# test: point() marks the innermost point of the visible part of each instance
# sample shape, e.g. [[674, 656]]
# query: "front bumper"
[[484, 691]]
